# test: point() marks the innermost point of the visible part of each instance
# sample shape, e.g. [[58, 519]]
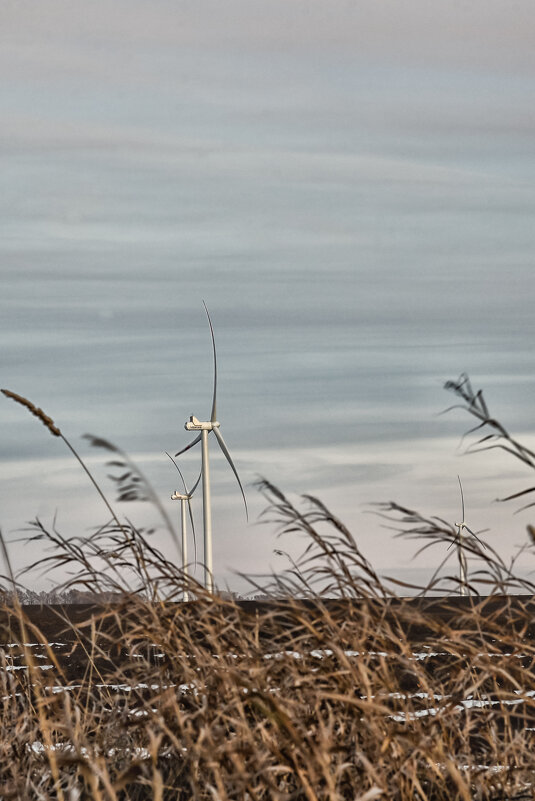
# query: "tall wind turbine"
[[212, 425], [461, 527], [185, 501]]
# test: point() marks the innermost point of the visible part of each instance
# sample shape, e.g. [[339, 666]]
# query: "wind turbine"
[[185, 500], [193, 424], [461, 527]]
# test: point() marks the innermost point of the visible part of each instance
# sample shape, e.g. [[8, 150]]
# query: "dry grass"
[[334, 689]]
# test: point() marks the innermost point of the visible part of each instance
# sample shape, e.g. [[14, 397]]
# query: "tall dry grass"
[[334, 688]]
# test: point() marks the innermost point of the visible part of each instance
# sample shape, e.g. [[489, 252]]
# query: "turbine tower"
[[212, 425], [185, 500]]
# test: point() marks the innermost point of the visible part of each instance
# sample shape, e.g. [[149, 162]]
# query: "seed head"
[[44, 418]]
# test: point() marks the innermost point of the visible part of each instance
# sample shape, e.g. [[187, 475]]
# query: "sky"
[[349, 186]]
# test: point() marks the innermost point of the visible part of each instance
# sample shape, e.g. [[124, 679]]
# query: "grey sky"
[[348, 185]]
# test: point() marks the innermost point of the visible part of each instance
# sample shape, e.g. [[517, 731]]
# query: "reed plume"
[[35, 410], [49, 423]]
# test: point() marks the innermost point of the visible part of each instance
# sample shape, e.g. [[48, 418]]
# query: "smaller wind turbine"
[[205, 428], [185, 500], [459, 541]]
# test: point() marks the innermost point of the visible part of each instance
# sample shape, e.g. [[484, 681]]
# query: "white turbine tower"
[[205, 428], [185, 501]]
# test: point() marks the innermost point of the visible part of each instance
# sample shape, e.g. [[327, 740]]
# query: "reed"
[[333, 688]]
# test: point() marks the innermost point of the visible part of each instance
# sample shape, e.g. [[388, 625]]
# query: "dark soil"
[[69, 628]]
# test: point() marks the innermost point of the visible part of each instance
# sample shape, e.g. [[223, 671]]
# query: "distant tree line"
[[58, 595], [55, 596]]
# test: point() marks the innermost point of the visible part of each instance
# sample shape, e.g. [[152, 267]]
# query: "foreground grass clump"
[[362, 695], [332, 688]]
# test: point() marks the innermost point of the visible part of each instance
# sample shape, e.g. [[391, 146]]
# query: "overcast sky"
[[350, 188]]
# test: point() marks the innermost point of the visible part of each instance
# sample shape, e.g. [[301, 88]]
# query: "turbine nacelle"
[[176, 496], [195, 425]]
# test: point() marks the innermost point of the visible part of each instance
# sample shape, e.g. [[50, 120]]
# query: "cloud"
[[63, 36]]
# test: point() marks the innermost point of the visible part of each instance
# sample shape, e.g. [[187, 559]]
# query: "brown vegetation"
[[334, 689]]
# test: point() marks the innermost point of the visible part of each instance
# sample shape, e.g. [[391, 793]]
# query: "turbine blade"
[[190, 493], [193, 531], [179, 471], [213, 416], [224, 448], [470, 531], [195, 441], [474, 535], [462, 497]]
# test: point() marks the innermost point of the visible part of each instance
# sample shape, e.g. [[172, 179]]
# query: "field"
[[362, 698]]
